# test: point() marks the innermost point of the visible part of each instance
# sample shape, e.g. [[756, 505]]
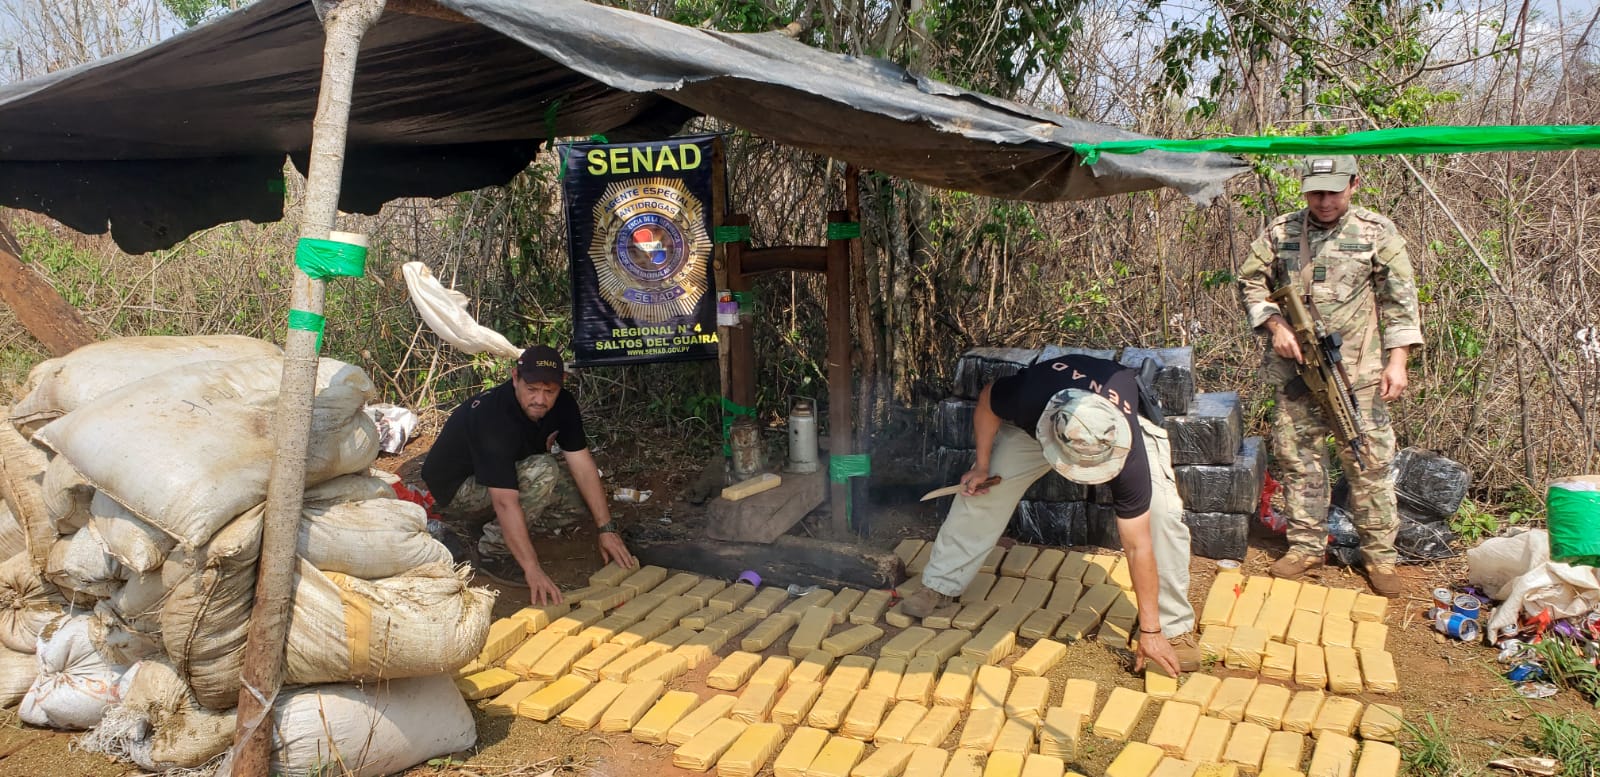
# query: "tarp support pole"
[[39, 308], [344, 24], [841, 392], [741, 340]]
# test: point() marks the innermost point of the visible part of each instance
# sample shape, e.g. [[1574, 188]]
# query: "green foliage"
[[1429, 750], [1573, 740], [732, 15], [1568, 667], [193, 12], [1472, 523], [998, 45]]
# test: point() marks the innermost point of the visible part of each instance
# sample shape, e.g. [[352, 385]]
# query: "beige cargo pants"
[[976, 522]]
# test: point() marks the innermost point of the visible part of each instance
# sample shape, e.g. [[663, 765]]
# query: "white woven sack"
[[206, 616], [66, 495], [344, 628], [157, 724], [133, 543], [22, 466], [59, 386], [139, 601], [120, 643], [27, 604], [82, 568], [75, 683], [371, 539], [370, 729], [210, 425], [17, 672], [12, 540]]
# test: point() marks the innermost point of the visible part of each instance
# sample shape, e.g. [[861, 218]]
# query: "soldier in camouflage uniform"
[[1352, 267]]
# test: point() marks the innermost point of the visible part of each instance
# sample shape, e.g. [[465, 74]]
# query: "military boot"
[[922, 603], [1294, 565], [1384, 580], [1188, 649]]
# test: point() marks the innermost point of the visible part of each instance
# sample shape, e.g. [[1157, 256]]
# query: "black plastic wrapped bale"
[[1054, 488], [953, 463], [1235, 488], [1428, 483], [1174, 383], [954, 419], [1050, 352], [1423, 538], [1218, 535], [1210, 433], [1344, 543], [980, 366], [1100, 494], [1102, 526], [1049, 523]]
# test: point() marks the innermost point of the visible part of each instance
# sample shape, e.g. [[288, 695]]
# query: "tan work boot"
[[922, 603], [1293, 565], [1384, 580], [1188, 649]]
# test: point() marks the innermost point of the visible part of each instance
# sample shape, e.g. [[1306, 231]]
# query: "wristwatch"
[[610, 527]]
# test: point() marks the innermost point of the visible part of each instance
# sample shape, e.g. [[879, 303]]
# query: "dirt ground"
[[1458, 685]]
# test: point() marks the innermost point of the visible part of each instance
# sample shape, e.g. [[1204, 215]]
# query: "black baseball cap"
[[540, 364]]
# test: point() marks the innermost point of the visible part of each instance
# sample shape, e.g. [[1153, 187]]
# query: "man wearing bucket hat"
[[1350, 266], [494, 455], [1079, 416]]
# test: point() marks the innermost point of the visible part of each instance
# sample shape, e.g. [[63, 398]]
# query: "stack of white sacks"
[[134, 473]]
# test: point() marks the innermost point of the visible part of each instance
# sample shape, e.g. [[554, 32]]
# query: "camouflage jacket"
[[1359, 278]]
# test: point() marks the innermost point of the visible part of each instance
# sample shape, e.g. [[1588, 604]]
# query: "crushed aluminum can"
[[633, 495], [1525, 672], [1537, 690], [799, 590]]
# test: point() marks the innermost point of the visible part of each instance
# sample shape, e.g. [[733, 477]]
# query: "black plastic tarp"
[[193, 131]]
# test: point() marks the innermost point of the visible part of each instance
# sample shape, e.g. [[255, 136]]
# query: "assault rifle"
[[1322, 372]]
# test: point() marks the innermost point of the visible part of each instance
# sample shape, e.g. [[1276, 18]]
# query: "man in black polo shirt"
[[1080, 416], [494, 453]]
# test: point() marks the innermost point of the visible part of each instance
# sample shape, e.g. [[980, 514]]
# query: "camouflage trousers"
[[544, 489], [1300, 449]]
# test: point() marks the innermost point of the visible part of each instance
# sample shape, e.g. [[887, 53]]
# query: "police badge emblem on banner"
[[639, 240]]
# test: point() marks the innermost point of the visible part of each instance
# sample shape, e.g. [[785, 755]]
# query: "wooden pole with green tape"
[[345, 22]]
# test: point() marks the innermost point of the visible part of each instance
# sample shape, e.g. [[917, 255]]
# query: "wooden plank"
[[41, 311]]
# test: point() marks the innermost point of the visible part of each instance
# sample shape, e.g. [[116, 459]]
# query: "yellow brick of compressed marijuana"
[[622, 668], [666, 668], [1122, 712], [1016, 736], [768, 632], [1044, 565], [751, 751], [908, 550], [732, 672], [942, 617], [1174, 767], [945, 646], [702, 592], [1064, 597], [1344, 670], [1337, 632], [590, 665], [1378, 759], [504, 636], [1275, 616], [1121, 574], [920, 563], [838, 757], [812, 668], [974, 615], [1198, 690], [1245, 651], [636, 699], [1377, 671], [1305, 627], [1368, 607], [640, 607], [1280, 771], [641, 632], [990, 686], [954, 688], [1303, 709], [815, 623], [795, 702], [1058, 737], [588, 709], [677, 585], [1040, 658], [1098, 598], [663, 715], [906, 643], [1246, 745], [674, 609], [559, 660], [733, 624], [1174, 725], [602, 599], [1312, 597], [577, 620], [1219, 603], [1079, 697], [506, 703], [1004, 591], [610, 575], [674, 638], [829, 710], [642, 580], [871, 607], [916, 683], [935, 727], [866, 712], [1034, 593], [843, 602], [549, 701], [765, 602], [701, 752], [698, 619], [1310, 667], [1042, 624], [608, 627], [1370, 635], [898, 725], [1214, 642], [1285, 749], [1267, 705], [886, 675], [1231, 698], [774, 670], [714, 709], [1381, 722], [1209, 740], [1277, 663], [1073, 568], [851, 640], [1338, 715], [1216, 770], [701, 648], [1282, 586], [1036, 765], [538, 617], [755, 704], [1003, 763], [1137, 759], [889, 760], [990, 646], [965, 763], [732, 598], [1248, 605], [1159, 686], [489, 682], [1028, 698], [799, 752], [1017, 561], [982, 729], [1334, 756], [978, 589]]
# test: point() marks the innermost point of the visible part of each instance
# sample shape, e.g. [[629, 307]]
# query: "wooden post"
[[866, 395], [719, 262], [741, 341], [840, 391], [39, 308], [345, 23]]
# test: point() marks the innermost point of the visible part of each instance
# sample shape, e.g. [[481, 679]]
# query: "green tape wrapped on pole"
[[844, 230], [324, 259], [730, 410], [306, 321], [1400, 140], [842, 467], [735, 234]]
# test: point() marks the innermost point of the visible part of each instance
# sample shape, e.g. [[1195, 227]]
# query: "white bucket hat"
[[1084, 436]]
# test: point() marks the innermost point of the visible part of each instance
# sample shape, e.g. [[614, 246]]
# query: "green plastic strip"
[[730, 409], [1574, 523], [1401, 140], [844, 466], [844, 230], [324, 259], [737, 234], [307, 321]]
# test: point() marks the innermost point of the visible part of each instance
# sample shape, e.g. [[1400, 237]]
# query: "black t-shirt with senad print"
[[1021, 398], [488, 434]]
